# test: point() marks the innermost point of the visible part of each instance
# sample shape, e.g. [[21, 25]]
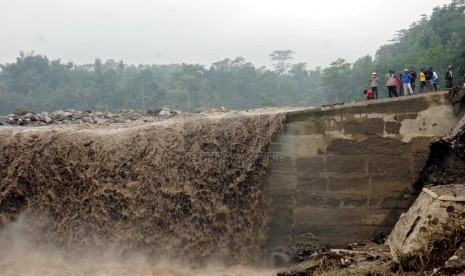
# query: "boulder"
[[166, 113], [46, 119], [436, 212]]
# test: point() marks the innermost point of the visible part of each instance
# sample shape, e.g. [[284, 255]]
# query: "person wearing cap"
[[449, 79], [373, 80], [407, 78]]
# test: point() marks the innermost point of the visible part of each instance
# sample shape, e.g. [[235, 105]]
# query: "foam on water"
[[190, 192]]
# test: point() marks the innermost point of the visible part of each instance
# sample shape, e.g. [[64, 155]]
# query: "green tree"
[[191, 78], [280, 58], [334, 81]]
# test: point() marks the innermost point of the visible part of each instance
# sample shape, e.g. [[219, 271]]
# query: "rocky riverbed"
[[23, 116]]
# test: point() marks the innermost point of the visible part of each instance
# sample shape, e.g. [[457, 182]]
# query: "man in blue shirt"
[[406, 79]]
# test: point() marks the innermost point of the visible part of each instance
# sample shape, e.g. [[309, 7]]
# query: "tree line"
[[42, 84]]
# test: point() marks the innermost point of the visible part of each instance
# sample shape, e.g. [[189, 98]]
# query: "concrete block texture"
[[351, 166], [436, 210]]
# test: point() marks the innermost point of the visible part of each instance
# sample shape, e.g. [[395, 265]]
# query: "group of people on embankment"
[[405, 83]]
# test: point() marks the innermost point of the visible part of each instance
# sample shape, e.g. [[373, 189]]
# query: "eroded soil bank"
[[446, 161], [188, 190]]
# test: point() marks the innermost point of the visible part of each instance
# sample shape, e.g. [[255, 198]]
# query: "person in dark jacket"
[[401, 84], [413, 75], [429, 79], [449, 78]]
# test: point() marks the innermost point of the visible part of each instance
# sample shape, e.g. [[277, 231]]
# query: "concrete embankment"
[[344, 172]]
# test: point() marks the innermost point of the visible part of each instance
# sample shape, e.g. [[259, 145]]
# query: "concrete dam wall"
[[344, 172], [225, 186]]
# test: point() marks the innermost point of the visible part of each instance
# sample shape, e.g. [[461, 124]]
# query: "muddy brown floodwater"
[[178, 197]]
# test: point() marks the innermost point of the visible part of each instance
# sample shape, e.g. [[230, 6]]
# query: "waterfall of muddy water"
[[189, 191]]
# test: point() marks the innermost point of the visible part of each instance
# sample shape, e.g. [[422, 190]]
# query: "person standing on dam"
[[373, 80], [449, 78], [401, 84], [429, 79], [406, 79], [422, 80], [435, 80], [395, 82], [413, 78], [389, 83]]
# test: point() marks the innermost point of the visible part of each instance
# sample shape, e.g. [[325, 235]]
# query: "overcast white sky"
[[203, 31]]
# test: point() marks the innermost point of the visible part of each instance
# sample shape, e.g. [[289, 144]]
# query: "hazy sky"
[[203, 31]]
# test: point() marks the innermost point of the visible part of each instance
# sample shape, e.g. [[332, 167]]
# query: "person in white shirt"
[[435, 80]]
